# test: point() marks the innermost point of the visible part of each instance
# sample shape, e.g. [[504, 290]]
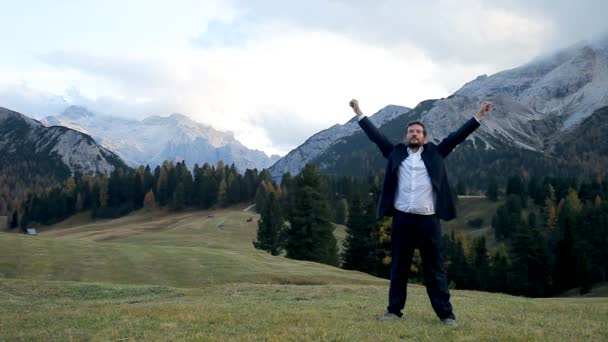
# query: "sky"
[[272, 72]]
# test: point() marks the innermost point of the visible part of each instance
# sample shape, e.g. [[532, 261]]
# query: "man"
[[417, 194]]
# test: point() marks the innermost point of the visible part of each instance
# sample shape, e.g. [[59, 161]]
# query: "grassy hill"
[[182, 250], [195, 276], [44, 310], [470, 208]]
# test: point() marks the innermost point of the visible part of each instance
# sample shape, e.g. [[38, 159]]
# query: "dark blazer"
[[432, 156]]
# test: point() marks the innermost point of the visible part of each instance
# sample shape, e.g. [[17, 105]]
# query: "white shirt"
[[414, 189]]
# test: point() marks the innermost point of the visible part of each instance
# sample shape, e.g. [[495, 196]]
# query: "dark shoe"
[[450, 322], [388, 316]]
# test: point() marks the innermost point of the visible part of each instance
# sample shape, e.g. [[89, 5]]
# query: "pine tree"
[[358, 246], [515, 186], [310, 236], [458, 267], [271, 227], [179, 197], [499, 279], [531, 273], [566, 254], [480, 264], [492, 192], [162, 187]]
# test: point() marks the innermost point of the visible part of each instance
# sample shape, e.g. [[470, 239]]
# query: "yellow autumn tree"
[[149, 201], [551, 209]]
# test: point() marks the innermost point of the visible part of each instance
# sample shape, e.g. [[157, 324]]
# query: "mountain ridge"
[[155, 139], [536, 106]]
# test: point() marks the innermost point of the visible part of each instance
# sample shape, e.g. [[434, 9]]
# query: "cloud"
[[449, 31], [283, 129], [499, 33], [275, 73], [222, 34], [310, 75], [31, 102]]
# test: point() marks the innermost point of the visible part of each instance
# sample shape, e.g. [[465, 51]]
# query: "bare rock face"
[[535, 106], [295, 160], [23, 138], [155, 139]]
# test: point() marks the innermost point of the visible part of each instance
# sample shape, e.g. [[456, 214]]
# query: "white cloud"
[[275, 73]]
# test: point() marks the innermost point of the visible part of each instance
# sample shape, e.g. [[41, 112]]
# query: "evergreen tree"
[[499, 278], [358, 246], [271, 227], [179, 197], [458, 268], [310, 236], [162, 187], [461, 188], [566, 254], [531, 272], [492, 192], [480, 264], [515, 186]]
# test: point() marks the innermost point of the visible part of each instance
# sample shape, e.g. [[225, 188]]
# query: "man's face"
[[415, 136]]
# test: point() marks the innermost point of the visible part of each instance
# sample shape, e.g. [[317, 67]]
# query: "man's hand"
[[486, 106], [355, 106]]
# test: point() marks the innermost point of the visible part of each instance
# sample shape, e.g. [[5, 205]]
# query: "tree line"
[[550, 235], [169, 185]]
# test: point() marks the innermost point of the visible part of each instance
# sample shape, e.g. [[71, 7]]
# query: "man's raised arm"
[[385, 146], [449, 143]]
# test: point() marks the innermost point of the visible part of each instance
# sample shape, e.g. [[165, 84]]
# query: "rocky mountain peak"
[[77, 112], [156, 138], [24, 138]]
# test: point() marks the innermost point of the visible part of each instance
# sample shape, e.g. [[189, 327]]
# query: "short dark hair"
[[416, 123]]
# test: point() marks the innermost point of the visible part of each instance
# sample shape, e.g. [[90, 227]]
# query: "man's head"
[[415, 134]]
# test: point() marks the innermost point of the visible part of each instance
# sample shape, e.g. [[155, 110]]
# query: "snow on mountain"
[[156, 139], [533, 102], [295, 160], [22, 137], [534, 106]]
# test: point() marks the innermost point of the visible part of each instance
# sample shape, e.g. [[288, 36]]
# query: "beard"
[[414, 143]]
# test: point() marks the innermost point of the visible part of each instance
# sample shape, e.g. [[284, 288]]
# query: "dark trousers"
[[410, 231]]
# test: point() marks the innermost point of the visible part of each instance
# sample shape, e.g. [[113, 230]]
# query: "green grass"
[[43, 258], [34, 310], [223, 229], [188, 276]]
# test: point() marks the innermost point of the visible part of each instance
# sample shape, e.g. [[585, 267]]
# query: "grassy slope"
[[188, 276], [469, 208], [33, 310], [183, 250]]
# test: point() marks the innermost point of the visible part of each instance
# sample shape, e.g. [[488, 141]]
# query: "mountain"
[[34, 158], [539, 109], [314, 146], [156, 139], [23, 139]]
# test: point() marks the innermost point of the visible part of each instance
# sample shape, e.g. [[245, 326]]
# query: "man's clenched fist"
[[354, 104]]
